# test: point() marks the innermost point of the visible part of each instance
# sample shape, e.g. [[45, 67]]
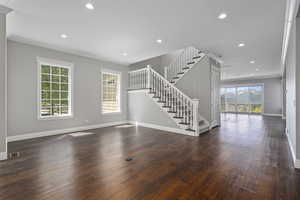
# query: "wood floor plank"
[[246, 158]]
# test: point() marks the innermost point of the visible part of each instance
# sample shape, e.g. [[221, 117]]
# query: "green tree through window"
[[54, 91]]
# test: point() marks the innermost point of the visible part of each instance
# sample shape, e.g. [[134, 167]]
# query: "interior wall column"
[[3, 82]]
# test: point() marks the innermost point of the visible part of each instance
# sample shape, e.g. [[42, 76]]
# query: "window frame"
[[119, 74], [247, 85], [52, 62]]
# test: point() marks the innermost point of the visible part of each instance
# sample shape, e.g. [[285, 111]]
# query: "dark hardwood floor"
[[247, 158]]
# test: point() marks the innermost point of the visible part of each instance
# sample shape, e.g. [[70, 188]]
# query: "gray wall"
[[157, 63], [2, 83], [284, 94], [272, 92], [22, 90], [290, 67], [196, 84], [142, 108]]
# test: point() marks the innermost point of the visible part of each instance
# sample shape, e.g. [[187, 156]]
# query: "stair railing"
[[138, 79], [175, 100], [180, 63]]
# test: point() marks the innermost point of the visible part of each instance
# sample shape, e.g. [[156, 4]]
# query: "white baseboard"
[[163, 128], [3, 155], [272, 115], [295, 161], [61, 131]]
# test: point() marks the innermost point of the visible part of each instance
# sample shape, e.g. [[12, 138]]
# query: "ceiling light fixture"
[[124, 54], [241, 45], [64, 36], [159, 41], [222, 16], [90, 6], [252, 62], [257, 69]]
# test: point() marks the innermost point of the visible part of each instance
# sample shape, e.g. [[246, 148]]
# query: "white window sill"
[[112, 113], [56, 117]]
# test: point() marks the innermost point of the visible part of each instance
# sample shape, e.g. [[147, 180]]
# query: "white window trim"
[[108, 71], [42, 61]]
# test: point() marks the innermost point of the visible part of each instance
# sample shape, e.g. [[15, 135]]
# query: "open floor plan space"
[[248, 157], [145, 99]]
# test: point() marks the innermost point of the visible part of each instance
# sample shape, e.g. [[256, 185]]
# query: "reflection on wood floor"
[[246, 158]]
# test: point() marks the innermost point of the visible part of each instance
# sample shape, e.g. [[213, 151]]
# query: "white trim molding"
[[61, 64], [163, 128], [290, 16], [297, 164], [5, 10], [242, 78], [62, 131], [60, 48], [3, 155], [119, 96], [272, 115], [296, 161]]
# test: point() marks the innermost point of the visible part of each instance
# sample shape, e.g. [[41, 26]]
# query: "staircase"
[[183, 63], [183, 110]]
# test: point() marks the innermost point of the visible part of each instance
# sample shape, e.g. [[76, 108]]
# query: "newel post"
[[196, 116], [148, 76]]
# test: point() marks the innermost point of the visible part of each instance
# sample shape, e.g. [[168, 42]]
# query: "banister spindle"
[[148, 78]]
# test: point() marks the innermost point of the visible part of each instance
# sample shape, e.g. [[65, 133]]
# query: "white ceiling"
[[132, 26]]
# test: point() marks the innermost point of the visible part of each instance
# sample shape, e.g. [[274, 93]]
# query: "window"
[[242, 99], [55, 89], [111, 92]]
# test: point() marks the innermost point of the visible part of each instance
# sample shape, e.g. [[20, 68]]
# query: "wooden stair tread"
[[178, 117], [190, 63], [189, 129], [183, 123], [196, 57]]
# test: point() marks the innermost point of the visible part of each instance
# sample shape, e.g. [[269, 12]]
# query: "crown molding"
[[265, 76], [34, 43], [290, 16], [5, 10]]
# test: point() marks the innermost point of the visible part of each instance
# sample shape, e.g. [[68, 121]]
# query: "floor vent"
[[129, 159], [125, 126], [13, 155], [80, 134]]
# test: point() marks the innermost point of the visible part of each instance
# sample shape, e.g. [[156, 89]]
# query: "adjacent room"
[[132, 100]]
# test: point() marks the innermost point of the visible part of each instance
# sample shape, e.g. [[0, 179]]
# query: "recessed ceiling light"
[[90, 6], [222, 16], [64, 36], [159, 41], [124, 54], [257, 69], [241, 44], [252, 61]]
